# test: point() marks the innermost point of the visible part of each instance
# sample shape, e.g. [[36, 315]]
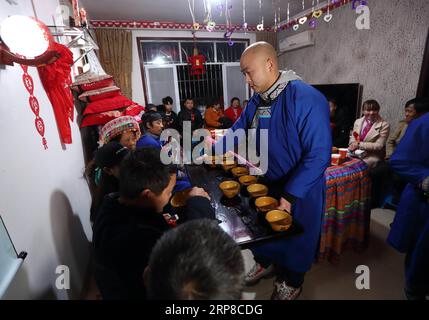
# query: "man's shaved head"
[[261, 49], [259, 65]]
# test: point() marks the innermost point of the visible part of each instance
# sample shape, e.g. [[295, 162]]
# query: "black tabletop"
[[238, 216]]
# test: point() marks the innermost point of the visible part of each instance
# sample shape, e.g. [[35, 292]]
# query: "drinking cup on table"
[[343, 152], [335, 159]]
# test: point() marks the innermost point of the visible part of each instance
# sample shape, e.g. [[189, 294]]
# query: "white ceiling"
[[178, 10]]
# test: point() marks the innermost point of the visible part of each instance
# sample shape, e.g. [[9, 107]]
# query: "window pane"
[[161, 83], [204, 48], [202, 90], [226, 53], [160, 52]]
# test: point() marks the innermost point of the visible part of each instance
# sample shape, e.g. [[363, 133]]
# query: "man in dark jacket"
[[130, 222], [189, 113]]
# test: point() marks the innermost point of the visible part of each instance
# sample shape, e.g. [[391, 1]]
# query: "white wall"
[[386, 59], [137, 85], [44, 199]]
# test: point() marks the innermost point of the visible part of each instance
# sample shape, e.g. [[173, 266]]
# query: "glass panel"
[[160, 52], [204, 48], [161, 84], [235, 84], [226, 53]]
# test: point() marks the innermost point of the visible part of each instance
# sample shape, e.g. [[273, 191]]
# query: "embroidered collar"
[[274, 91]]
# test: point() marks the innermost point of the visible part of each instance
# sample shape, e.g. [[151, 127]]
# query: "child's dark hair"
[[213, 268], [233, 99], [371, 105], [142, 169], [421, 105], [167, 100], [106, 185]]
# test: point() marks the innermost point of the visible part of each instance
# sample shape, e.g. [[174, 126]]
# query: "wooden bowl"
[[247, 180], [257, 190], [230, 188], [265, 204], [227, 167], [179, 198], [239, 171], [279, 220]]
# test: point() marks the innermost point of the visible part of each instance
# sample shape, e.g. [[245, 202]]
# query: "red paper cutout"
[[34, 105]]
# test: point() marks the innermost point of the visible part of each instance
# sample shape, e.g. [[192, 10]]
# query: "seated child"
[[213, 268], [130, 222]]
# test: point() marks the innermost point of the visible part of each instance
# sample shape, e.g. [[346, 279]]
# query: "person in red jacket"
[[234, 111]]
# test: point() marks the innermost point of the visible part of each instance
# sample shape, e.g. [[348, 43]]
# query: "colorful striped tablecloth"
[[347, 212]]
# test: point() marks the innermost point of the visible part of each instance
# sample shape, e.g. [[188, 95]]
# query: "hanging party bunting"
[[208, 19], [288, 18], [317, 14], [328, 15], [244, 25], [260, 26], [195, 24]]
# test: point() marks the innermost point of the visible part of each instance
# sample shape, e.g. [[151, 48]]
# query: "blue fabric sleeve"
[[411, 156], [312, 121]]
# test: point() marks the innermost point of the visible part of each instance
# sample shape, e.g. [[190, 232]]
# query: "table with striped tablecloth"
[[347, 211]]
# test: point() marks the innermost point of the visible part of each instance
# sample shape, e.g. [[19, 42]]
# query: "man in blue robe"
[[299, 150], [410, 229]]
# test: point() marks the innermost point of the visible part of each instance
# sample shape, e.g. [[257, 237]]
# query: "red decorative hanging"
[[34, 104], [56, 81], [197, 64]]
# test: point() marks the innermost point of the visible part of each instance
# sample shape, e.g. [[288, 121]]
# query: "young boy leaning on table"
[[130, 222]]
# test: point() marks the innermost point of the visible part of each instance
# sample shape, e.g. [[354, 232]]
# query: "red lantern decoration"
[[197, 64]]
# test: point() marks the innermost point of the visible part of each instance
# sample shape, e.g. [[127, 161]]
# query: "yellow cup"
[[265, 204], [230, 188], [257, 190], [279, 220], [247, 180], [239, 171]]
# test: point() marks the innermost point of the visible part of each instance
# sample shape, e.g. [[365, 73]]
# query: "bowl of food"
[[247, 180], [265, 204], [239, 171], [230, 188], [179, 198], [279, 220], [227, 167], [257, 190]]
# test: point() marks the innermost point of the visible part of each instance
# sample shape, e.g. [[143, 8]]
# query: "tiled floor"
[[328, 281]]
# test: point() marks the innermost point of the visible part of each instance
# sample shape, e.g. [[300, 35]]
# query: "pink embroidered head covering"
[[118, 126]]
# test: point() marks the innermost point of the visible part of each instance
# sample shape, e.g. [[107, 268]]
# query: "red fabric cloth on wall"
[[56, 79]]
